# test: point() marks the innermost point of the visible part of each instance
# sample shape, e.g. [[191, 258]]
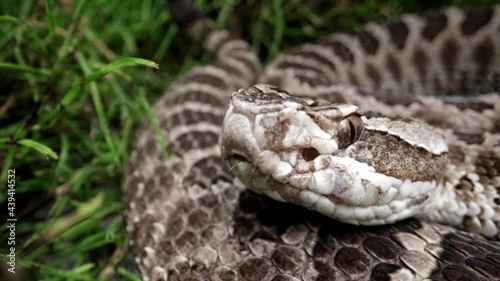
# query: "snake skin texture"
[[190, 219]]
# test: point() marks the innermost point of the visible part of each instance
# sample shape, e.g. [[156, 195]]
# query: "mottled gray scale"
[[223, 40], [353, 78], [339, 49], [254, 68], [485, 266], [293, 65], [393, 67], [435, 23], [470, 138], [383, 271], [196, 96], [192, 140], [475, 19], [446, 254], [464, 81], [326, 271], [288, 259], [350, 239], [333, 96], [439, 87], [421, 62], [382, 248], [465, 247], [255, 269], [487, 163], [373, 73], [454, 272], [398, 32], [208, 79], [314, 56], [484, 55], [198, 219], [205, 170], [471, 104], [186, 241], [192, 117], [352, 261], [225, 274], [176, 226], [314, 81], [368, 41], [450, 52], [153, 193], [228, 68]]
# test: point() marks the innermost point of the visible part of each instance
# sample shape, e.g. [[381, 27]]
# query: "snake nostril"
[[309, 153]]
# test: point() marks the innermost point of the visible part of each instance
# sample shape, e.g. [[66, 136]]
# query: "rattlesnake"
[[190, 219]]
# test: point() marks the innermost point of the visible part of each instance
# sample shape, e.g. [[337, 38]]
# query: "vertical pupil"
[[353, 132]]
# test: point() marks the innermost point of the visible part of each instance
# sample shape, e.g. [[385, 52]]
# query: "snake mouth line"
[[235, 158]]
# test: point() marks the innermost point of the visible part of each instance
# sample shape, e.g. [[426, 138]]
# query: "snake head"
[[329, 157]]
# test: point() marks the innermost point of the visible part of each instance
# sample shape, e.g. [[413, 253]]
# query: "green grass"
[[78, 78]]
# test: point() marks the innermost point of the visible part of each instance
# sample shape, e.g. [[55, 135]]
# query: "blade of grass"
[[68, 39], [98, 105], [65, 223], [49, 10], [116, 65], [24, 69], [43, 149], [156, 126], [9, 19]]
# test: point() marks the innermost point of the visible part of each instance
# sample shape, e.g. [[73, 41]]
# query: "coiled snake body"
[[189, 218]]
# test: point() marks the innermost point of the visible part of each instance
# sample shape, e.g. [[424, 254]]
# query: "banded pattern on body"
[[190, 219], [407, 60]]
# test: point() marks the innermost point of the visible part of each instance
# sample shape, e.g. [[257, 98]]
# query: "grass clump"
[[77, 79]]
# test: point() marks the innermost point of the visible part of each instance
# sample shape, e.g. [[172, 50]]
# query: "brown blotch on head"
[[434, 24], [449, 54], [398, 32], [394, 157], [368, 42], [476, 19]]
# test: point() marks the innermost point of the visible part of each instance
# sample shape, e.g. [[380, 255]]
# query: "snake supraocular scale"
[[190, 219]]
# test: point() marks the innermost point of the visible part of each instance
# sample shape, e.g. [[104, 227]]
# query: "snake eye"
[[349, 131]]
